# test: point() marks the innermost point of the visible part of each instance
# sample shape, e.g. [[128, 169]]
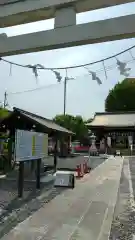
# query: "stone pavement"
[[13, 210], [85, 212]]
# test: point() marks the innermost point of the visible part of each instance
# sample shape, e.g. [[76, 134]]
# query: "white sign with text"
[[30, 145]]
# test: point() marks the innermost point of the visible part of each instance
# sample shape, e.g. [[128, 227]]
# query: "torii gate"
[[65, 33]]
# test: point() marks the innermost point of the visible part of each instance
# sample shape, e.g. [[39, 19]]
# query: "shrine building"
[[117, 128]]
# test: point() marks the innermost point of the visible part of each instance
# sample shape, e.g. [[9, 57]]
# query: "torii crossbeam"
[[65, 33], [35, 10]]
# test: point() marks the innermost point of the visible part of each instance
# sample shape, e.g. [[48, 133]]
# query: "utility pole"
[[65, 92], [5, 100]]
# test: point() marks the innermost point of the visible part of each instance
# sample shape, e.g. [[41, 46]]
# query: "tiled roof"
[[114, 119], [43, 121]]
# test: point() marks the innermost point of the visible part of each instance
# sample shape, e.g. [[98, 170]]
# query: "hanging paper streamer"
[[131, 54], [57, 75], [105, 70], [37, 67], [10, 71], [34, 70], [122, 68], [95, 77]]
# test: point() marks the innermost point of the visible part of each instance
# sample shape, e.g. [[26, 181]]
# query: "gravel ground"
[[123, 227], [14, 210], [18, 215]]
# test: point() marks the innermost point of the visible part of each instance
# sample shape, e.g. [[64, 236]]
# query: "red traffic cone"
[[82, 169], [78, 170]]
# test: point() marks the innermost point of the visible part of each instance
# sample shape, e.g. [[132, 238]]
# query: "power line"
[[113, 66], [69, 79], [34, 89], [45, 87], [69, 67], [121, 66]]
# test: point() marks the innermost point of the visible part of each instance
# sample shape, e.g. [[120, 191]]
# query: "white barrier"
[[64, 179]]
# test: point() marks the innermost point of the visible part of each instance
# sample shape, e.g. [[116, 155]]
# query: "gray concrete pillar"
[[65, 17]]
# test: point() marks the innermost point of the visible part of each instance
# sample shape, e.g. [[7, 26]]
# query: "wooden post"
[[21, 179], [55, 153], [32, 165], [69, 143], [9, 155], [38, 173]]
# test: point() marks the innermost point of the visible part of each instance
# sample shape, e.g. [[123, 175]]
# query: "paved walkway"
[[85, 212], [123, 226]]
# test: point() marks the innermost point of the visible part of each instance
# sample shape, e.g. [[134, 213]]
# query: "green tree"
[[121, 97], [3, 112], [75, 124]]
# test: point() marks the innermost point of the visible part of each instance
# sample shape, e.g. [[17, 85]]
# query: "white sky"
[[84, 96]]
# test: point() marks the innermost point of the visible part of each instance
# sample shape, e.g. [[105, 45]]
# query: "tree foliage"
[[3, 112], [121, 97], [75, 124]]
